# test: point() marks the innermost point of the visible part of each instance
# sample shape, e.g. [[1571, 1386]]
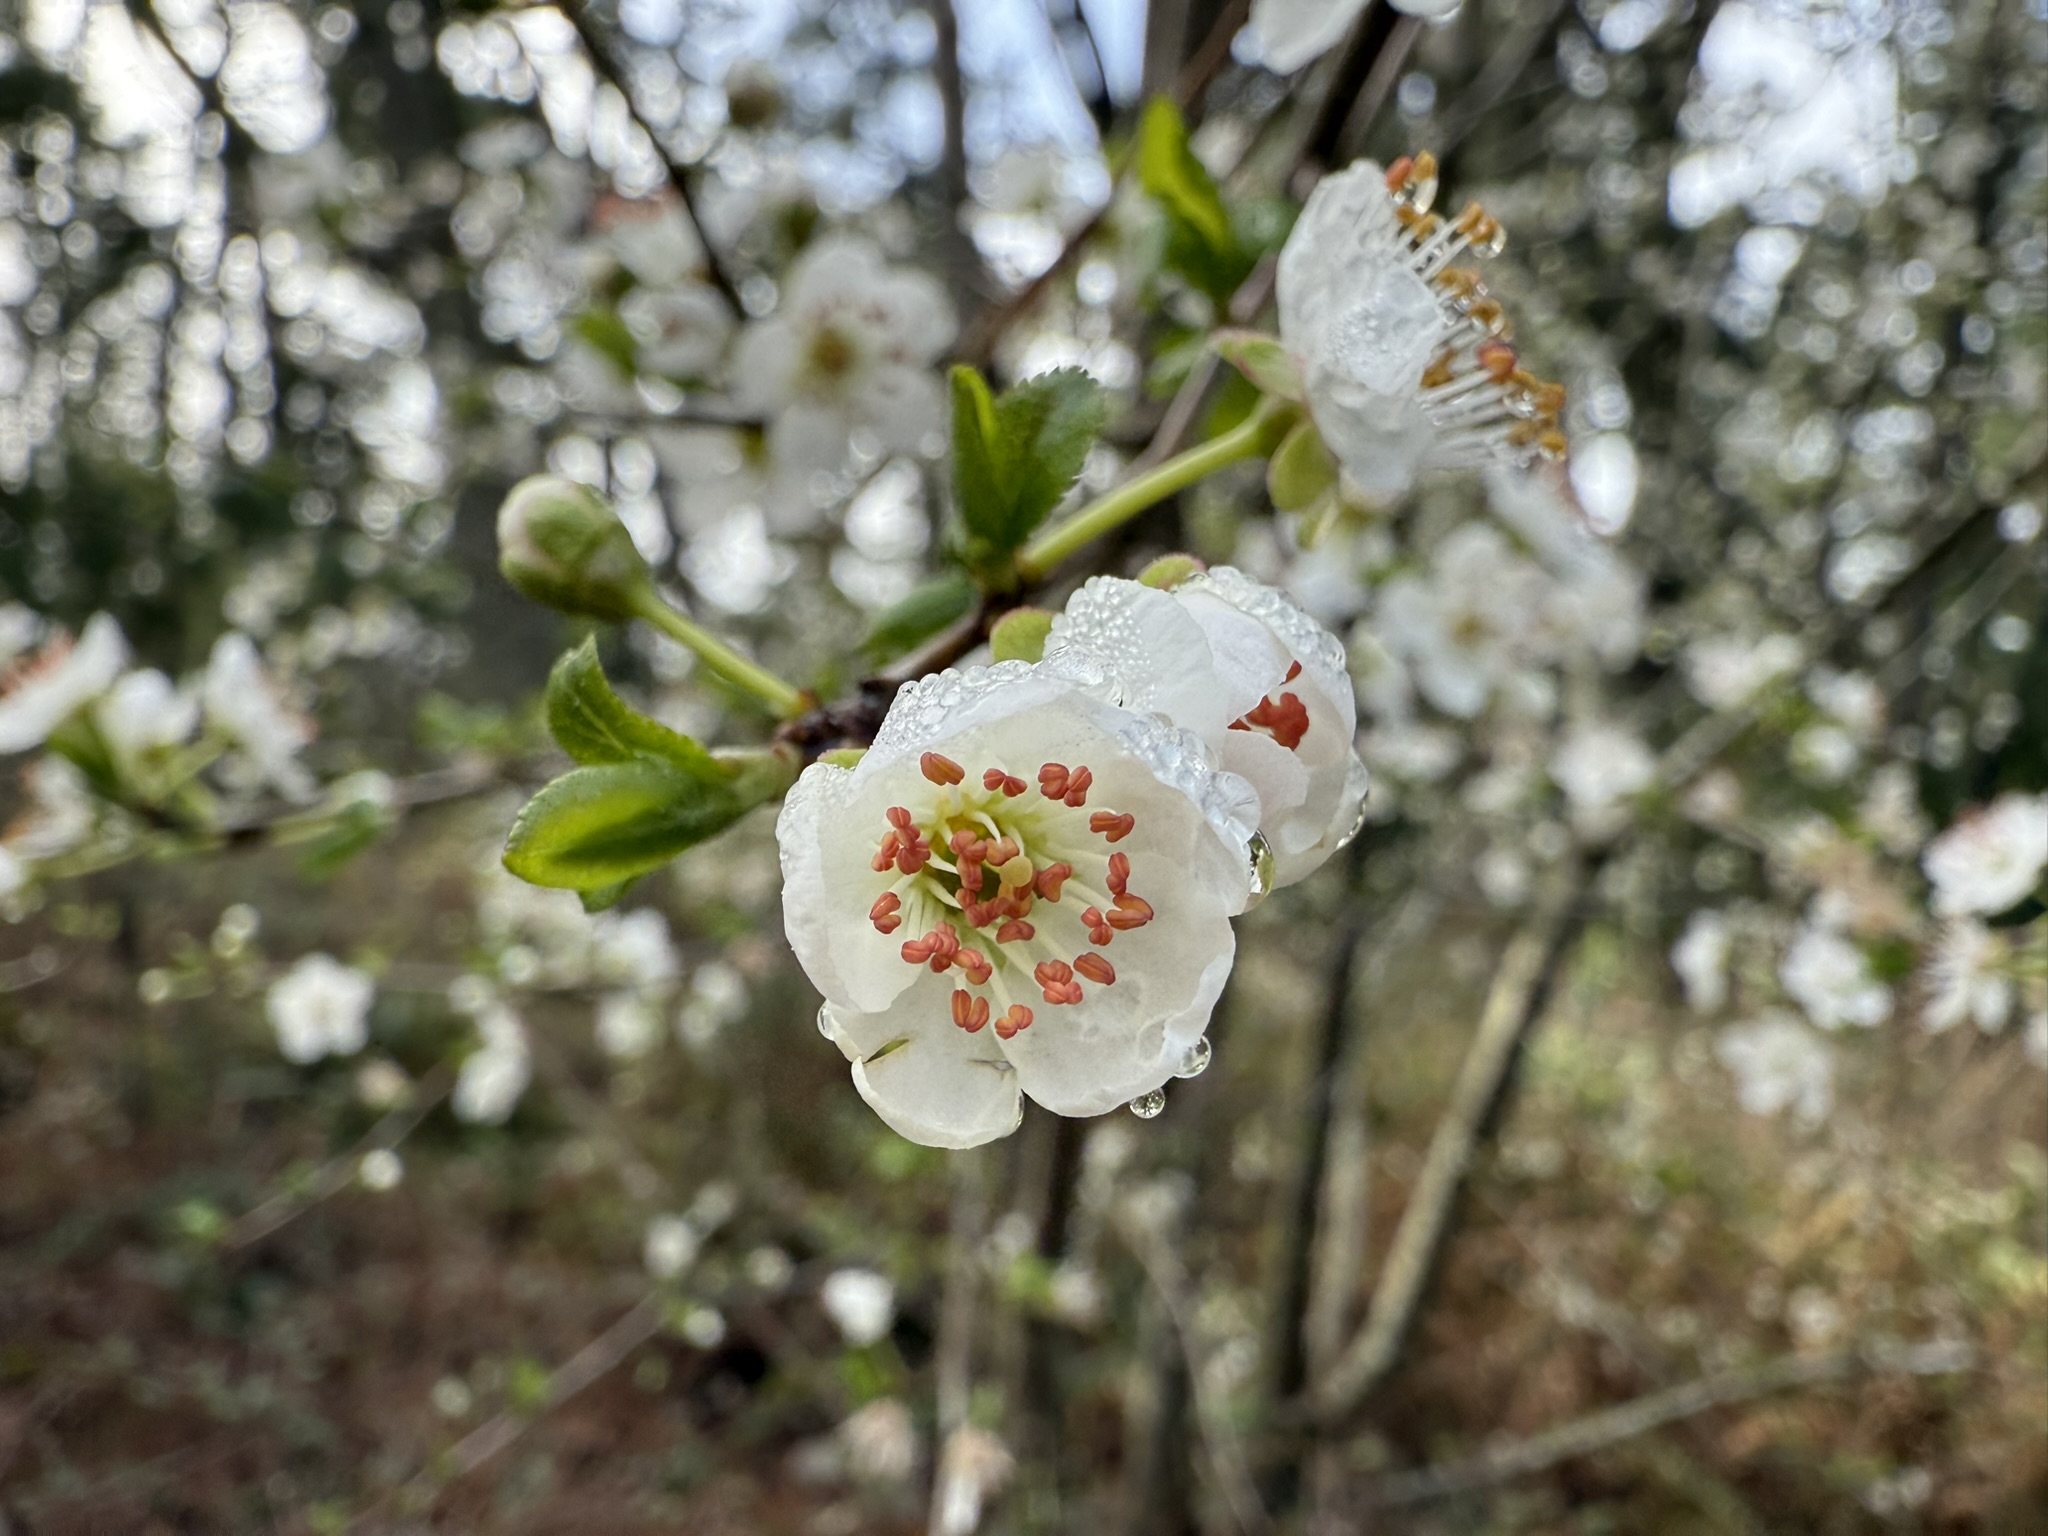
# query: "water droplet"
[[825, 1020], [1196, 1061], [1260, 854], [1146, 1106]]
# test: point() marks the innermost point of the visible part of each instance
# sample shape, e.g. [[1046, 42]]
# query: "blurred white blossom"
[[1778, 1063], [861, 1304], [320, 1007], [1991, 858]]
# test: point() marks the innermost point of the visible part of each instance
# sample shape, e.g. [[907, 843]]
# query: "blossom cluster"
[[1024, 887]]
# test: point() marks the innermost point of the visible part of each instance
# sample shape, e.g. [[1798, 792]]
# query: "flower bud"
[[561, 544]]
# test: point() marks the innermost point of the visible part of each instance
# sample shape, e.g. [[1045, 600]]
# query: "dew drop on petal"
[[1196, 1061], [825, 1020], [1146, 1106], [1261, 872]]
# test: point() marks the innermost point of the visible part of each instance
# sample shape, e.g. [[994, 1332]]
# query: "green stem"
[[1255, 436], [722, 659]]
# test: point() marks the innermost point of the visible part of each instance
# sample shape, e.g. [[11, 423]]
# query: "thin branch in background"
[[339, 1173], [1521, 987], [953, 1357], [1626, 1421], [607, 65]]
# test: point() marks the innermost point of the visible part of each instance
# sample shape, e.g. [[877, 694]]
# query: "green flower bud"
[[561, 544]]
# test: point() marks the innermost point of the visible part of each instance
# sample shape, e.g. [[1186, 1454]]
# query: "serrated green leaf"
[[1302, 471], [1263, 360], [1202, 244], [1020, 635], [594, 725], [1016, 455], [926, 611], [602, 825]]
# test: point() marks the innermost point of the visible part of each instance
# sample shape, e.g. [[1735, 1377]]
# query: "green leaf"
[[606, 334], [1301, 471], [1263, 360], [927, 610], [1016, 455], [602, 825], [1020, 635], [594, 725], [1201, 239]]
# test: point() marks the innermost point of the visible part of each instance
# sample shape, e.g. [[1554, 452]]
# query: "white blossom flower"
[[682, 333], [1240, 665], [1724, 671], [243, 702], [1778, 1063], [61, 812], [40, 695], [1830, 978], [14, 874], [973, 1468], [1701, 959], [1991, 858], [1599, 765], [1403, 355], [671, 1246], [1294, 33], [494, 1077], [320, 1007], [1467, 627], [1966, 979], [879, 1441], [143, 714], [1014, 823], [627, 1025], [861, 1304], [634, 950], [851, 347]]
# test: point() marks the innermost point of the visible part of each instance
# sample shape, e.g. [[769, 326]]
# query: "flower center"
[[831, 354], [1011, 887]]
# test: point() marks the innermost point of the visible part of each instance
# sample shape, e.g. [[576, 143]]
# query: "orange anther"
[[883, 914], [1019, 1017], [1049, 880], [1497, 358], [975, 964], [1077, 788], [1119, 873], [970, 1012], [1008, 783], [1099, 932], [899, 818], [1055, 979], [1284, 719], [1131, 912], [1112, 825], [1095, 968], [1052, 780], [1016, 928], [913, 854], [941, 770], [1397, 173]]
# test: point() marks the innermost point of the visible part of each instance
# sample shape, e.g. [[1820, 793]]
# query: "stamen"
[[1018, 1017], [976, 965], [1052, 781], [1077, 788], [970, 1012], [1119, 873], [1056, 980], [1099, 932], [1111, 825], [941, 770], [1014, 930], [1049, 880], [1284, 719], [1008, 783], [900, 818], [1131, 912], [883, 914], [1096, 969]]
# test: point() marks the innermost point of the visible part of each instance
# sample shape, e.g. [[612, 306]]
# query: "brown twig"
[[1626, 1421], [608, 68], [1520, 989]]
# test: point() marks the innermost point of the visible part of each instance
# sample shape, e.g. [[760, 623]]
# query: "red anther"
[[885, 856], [1008, 783], [883, 914], [1497, 358], [1077, 788], [1048, 880], [1099, 932], [941, 770], [1052, 780], [1019, 1017], [916, 951], [970, 1012], [1001, 851], [1293, 671], [1119, 873], [1284, 719], [899, 818], [1016, 928], [963, 839], [1131, 912], [972, 877], [976, 965], [1397, 173], [913, 854], [1095, 968], [980, 914], [1116, 827], [1055, 979]]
